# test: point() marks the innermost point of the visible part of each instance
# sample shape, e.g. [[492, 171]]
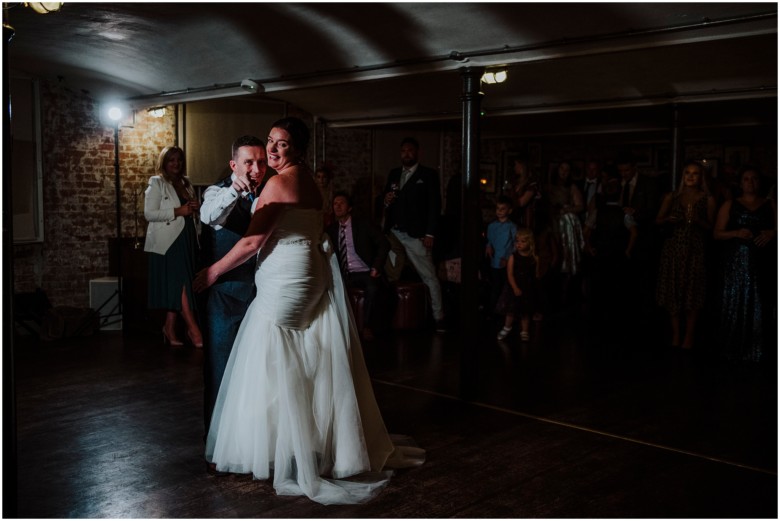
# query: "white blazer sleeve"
[[153, 200]]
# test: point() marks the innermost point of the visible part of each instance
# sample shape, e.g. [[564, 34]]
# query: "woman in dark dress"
[[747, 226], [523, 191], [170, 207], [682, 279]]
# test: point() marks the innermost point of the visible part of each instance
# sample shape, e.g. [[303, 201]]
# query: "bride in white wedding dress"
[[296, 401]]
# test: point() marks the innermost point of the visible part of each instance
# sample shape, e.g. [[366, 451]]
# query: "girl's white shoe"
[[504, 333]]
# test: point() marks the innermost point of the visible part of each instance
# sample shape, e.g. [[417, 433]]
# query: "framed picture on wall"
[[487, 177]]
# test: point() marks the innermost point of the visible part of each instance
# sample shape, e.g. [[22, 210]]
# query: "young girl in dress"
[[520, 294]]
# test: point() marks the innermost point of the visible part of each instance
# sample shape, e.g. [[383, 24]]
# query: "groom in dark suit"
[[226, 209], [362, 251], [412, 211]]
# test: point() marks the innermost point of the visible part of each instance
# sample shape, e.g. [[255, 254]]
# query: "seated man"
[[362, 250]]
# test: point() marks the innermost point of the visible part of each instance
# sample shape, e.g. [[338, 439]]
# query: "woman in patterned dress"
[[565, 205], [689, 214]]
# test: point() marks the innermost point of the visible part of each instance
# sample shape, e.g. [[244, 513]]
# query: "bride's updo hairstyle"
[[299, 133]]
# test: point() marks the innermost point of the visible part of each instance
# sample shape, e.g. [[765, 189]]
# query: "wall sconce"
[[156, 112], [497, 76], [44, 7]]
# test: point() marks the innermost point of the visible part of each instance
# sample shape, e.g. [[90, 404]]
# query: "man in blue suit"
[[227, 210], [412, 210]]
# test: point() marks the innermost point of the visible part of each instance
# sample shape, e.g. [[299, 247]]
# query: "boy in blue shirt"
[[500, 245]]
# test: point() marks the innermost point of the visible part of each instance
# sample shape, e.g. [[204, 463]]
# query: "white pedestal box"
[[103, 294]]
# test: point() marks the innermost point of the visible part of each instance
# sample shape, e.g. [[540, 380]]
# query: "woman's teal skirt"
[[175, 270]]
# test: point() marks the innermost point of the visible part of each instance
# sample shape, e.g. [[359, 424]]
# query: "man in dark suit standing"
[[634, 191], [362, 251], [590, 186], [226, 209], [412, 210], [637, 201]]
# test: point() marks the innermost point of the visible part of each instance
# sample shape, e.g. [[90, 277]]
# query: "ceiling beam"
[[630, 40], [624, 103]]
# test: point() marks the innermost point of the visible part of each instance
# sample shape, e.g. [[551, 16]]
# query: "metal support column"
[[9, 382], [471, 228], [118, 203], [676, 146]]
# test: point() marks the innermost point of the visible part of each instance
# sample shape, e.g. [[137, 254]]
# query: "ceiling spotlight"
[[497, 76], [250, 86], [44, 7]]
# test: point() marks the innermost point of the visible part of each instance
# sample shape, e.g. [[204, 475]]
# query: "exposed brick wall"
[[79, 192], [348, 153]]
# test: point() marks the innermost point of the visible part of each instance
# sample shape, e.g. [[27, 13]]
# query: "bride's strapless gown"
[[296, 401]]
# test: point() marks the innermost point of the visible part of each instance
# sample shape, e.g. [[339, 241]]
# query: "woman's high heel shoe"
[[170, 341], [198, 344]]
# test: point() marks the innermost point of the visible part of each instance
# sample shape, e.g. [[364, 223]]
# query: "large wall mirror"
[[26, 167], [210, 127]]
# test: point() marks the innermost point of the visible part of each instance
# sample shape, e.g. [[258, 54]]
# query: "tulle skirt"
[[296, 402]]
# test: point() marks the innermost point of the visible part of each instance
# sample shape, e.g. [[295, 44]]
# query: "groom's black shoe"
[[211, 468]]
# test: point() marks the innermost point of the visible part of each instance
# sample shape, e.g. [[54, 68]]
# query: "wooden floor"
[[568, 426]]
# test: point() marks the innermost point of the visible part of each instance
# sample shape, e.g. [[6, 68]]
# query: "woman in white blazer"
[[170, 207]]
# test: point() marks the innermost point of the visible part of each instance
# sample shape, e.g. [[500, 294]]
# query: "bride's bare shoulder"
[[294, 186], [278, 188]]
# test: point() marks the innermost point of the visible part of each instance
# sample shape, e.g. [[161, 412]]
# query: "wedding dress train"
[[296, 400]]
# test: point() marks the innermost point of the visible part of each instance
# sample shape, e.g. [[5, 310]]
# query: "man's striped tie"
[[343, 250]]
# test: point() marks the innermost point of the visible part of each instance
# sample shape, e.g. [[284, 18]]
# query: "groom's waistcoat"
[[220, 242]]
